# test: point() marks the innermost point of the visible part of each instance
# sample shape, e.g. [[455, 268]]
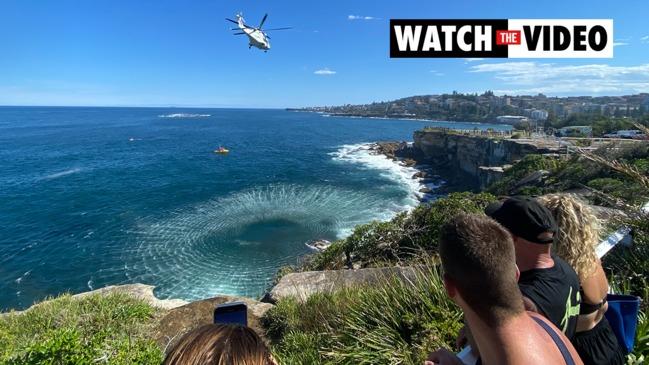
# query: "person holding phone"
[[228, 341]]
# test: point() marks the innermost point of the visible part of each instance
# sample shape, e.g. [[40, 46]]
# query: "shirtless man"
[[480, 275]]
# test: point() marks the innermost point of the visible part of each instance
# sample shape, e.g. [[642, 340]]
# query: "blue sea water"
[[91, 197]]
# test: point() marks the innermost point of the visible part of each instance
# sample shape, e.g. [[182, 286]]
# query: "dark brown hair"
[[478, 256], [219, 344]]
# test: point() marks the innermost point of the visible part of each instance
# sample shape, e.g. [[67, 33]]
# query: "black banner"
[[428, 38]]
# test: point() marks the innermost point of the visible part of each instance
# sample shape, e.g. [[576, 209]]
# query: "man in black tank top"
[[548, 284]]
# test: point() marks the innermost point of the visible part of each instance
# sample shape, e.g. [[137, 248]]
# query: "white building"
[[539, 114], [512, 119]]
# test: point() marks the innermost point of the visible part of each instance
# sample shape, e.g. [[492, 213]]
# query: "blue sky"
[[181, 53]]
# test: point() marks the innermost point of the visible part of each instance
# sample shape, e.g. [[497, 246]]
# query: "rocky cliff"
[[474, 158]]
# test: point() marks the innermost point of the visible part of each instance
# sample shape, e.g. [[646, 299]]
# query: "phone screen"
[[235, 312]]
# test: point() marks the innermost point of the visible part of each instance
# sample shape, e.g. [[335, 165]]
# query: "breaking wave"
[[184, 115], [363, 154], [60, 174]]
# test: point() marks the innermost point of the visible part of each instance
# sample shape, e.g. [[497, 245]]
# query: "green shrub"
[[110, 328], [521, 169], [393, 322], [641, 348], [403, 239]]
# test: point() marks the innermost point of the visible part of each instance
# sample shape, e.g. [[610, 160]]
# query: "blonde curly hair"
[[579, 232]]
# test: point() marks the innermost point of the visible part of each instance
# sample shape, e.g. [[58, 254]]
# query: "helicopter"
[[256, 36]]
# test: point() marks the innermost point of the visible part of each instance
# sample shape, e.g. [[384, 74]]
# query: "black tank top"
[[555, 292]]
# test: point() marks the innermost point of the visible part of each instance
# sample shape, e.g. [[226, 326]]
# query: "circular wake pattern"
[[235, 244]]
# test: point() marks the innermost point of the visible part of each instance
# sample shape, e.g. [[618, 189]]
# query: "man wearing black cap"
[[548, 284]]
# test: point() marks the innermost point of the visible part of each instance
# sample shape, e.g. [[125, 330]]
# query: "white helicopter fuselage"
[[256, 38]]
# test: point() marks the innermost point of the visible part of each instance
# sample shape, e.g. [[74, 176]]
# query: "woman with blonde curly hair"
[[577, 238]]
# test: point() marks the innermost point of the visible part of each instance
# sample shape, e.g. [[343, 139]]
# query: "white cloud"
[[618, 43], [325, 71], [437, 73], [645, 39], [361, 17], [467, 60], [534, 77]]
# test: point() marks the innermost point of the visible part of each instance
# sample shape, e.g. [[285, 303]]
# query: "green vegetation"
[[578, 172], [526, 166], [96, 329], [402, 240], [396, 322]]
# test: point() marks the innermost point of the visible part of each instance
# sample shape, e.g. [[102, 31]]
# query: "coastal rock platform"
[[301, 285], [178, 321]]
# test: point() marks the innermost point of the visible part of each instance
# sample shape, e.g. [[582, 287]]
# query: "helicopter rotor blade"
[[263, 20], [230, 20], [239, 33], [266, 30]]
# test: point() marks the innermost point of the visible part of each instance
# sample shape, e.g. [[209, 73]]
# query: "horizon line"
[[137, 106]]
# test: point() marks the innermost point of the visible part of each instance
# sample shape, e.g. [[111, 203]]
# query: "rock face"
[[178, 321], [395, 150], [303, 284], [466, 154], [140, 291]]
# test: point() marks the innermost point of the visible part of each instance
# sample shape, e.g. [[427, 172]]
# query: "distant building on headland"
[[512, 119], [539, 114], [576, 131]]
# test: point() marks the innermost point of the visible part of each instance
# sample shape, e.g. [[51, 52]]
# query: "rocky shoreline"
[[405, 154]]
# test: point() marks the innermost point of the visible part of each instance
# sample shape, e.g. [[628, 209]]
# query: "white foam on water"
[[184, 115], [396, 171], [22, 277], [60, 174]]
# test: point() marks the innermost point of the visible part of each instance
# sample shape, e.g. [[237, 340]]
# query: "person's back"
[[538, 341], [577, 238], [480, 276], [549, 285], [555, 294]]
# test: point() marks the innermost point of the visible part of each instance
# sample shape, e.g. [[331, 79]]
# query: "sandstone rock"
[[420, 175], [178, 321], [463, 155], [409, 162], [303, 284], [140, 291], [533, 179], [318, 245]]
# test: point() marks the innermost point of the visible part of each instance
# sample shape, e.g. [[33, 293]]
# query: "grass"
[[395, 322], [95, 329]]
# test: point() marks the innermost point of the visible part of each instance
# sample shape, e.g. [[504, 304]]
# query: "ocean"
[[91, 197]]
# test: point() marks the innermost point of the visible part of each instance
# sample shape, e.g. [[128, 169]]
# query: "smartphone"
[[235, 312]]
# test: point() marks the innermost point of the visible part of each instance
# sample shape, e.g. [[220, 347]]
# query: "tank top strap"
[[567, 357]]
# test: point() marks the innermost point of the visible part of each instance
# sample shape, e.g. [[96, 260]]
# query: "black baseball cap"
[[524, 217]]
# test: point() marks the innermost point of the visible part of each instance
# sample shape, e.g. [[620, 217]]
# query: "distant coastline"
[[388, 117]]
